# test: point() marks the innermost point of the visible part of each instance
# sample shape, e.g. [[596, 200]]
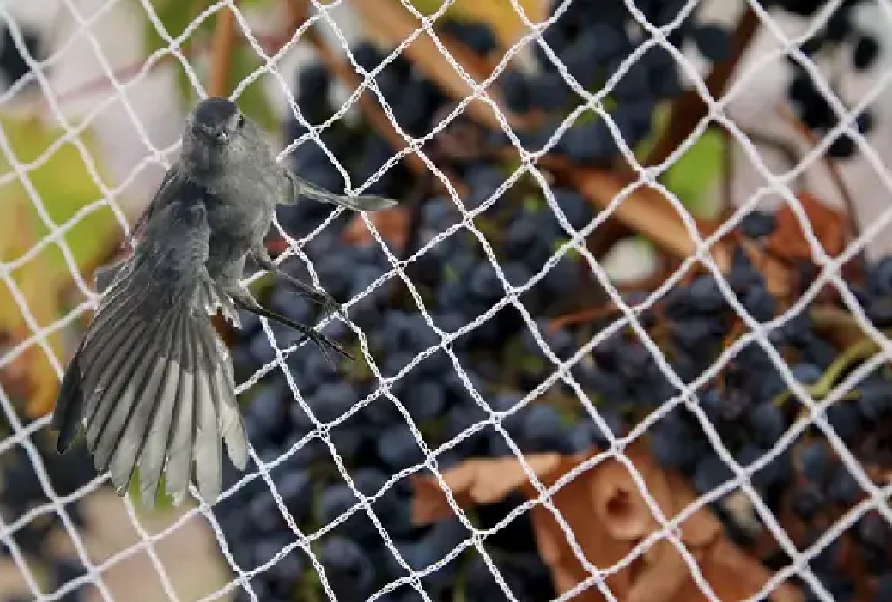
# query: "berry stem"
[[858, 351], [583, 316]]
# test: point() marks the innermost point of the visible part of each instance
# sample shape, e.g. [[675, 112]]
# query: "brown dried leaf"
[[702, 527], [788, 240], [836, 324], [647, 211], [42, 288], [40, 285], [599, 548], [734, 575], [392, 24], [393, 224], [15, 239], [503, 18], [608, 494], [480, 480], [499, 14], [662, 577], [617, 502]]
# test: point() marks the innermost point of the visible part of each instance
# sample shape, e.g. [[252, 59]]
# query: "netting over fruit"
[[676, 361]]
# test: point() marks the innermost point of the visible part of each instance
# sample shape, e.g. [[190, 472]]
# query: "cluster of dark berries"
[[21, 491], [746, 405]]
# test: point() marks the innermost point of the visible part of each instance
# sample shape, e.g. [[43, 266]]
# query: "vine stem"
[[222, 49], [685, 113], [689, 108], [861, 350]]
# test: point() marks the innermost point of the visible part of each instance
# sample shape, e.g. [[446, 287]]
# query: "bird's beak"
[[212, 135]]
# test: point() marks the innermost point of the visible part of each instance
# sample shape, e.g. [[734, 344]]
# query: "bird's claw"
[[329, 304], [325, 344]]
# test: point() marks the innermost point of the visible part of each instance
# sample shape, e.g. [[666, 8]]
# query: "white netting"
[[757, 333]]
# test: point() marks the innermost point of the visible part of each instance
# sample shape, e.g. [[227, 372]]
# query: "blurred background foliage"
[[63, 186]]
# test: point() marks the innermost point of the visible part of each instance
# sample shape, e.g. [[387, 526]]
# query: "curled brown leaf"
[[662, 576], [392, 224], [608, 517], [788, 240]]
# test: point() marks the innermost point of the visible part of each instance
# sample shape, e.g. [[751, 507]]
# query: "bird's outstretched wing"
[[151, 382], [299, 188], [104, 275], [166, 194]]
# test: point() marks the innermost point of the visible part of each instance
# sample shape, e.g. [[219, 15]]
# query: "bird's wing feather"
[[105, 275], [151, 382], [166, 194]]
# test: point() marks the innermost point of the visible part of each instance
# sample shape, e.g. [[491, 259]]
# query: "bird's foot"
[[329, 304], [325, 345]]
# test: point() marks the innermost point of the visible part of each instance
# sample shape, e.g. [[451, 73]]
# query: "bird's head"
[[217, 136]]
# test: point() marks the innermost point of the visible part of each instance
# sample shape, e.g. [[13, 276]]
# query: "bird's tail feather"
[[153, 387], [355, 203]]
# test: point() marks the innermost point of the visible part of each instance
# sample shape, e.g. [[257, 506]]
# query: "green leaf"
[[62, 197], [532, 203], [254, 100], [511, 164], [163, 501], [695, 172], [532, 363], [569, 418], [44, 279], [175, 16]]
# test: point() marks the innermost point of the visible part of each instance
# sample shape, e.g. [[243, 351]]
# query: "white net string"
[[757, 332]]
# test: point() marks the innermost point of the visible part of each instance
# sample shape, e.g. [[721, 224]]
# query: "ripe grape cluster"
[[746, 406], [592, 41]]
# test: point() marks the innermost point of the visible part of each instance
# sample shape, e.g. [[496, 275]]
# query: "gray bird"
[[151, 382]]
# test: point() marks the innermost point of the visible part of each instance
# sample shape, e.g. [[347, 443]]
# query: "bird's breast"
[[238, 223]]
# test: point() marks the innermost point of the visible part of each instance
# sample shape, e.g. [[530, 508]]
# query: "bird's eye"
[[241, 121]]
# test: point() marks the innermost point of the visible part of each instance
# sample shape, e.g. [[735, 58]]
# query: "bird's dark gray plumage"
[[151, 383]]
